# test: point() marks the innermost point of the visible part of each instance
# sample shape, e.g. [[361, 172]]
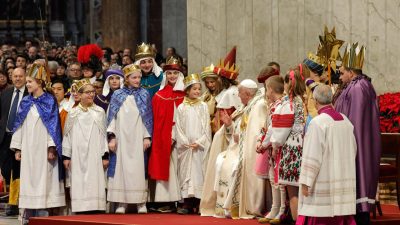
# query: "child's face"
[[211, 83], [134, 79], [172, 76], [146, 65], [87, 95], [194, 91], [114, 82], [32, 84]]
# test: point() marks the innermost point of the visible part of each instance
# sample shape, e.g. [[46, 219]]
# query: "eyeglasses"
[[75, 70], [89, 92]]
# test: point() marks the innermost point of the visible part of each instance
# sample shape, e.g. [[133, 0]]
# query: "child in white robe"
[[193, 137], [37, 144], [130, 124], [84, 144]]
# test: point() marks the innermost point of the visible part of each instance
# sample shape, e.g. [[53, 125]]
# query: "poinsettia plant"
[[389, 107]]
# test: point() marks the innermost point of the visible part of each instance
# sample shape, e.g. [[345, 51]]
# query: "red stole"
[[163, 119]]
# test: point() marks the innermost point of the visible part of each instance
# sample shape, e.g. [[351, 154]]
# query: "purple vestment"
[[359, 103]]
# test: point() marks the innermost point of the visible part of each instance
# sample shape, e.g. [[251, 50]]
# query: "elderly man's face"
[[32, 52], [74, 72], [244, 95]]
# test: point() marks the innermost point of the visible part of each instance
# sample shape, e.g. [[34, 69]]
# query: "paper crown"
[[143, 51], [79, 84], [173, 64], [131, 68], [115, 69], [191, 79], [314, 63], [328, 49], [228, 68], [353, 56], [39, 72], [90, 56], [208, 71]]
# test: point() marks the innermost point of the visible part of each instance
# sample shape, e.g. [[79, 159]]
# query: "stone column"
[[120, 24]]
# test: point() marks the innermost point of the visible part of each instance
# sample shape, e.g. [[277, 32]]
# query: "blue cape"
[[143, 102]]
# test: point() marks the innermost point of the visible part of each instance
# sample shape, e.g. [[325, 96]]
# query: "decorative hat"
[[144, 51], [354, 56], [115, 69], [208, 72], [130, 69], [38, 71], [90, 56], [328, 49], [314, 63], [173, 64], [191, 79], [79, 84], [228, 68], [266, 73], [248, 83]]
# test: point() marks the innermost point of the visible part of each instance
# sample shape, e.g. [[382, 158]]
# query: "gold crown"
[[191, 79], [208, 71], [354, 56], [328, 49], [79, 84], [39, 72], [173, 61], [144, 51], [315, 58], [129, 69]]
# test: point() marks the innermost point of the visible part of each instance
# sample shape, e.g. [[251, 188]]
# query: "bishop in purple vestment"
[[357, 100]]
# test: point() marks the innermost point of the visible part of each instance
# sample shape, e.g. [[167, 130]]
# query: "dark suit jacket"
[[5, 104]]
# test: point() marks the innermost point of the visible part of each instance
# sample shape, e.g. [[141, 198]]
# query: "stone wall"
[[286, 30]]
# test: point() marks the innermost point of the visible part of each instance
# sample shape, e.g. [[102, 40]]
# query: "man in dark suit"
[[9, 102]]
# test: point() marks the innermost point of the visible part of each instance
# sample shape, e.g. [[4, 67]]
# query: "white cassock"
[[192, 126], [328, 167], [85, 143], [40, 186], [129, 184]]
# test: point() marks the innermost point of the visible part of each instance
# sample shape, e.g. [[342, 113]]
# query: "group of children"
[[175, 124]]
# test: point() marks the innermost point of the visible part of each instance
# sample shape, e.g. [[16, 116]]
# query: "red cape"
[[163, 113]]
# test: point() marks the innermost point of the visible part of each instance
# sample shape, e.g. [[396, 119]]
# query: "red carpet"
[[391, 216]]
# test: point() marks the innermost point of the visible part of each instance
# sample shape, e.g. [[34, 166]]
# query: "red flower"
[[389, 107]]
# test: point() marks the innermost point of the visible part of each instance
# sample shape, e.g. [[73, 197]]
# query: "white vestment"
[[85, 143], [192, 126], [252, 189], [40, 186], [328, 168], [129, 184]]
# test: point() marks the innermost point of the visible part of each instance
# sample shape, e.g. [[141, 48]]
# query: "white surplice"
[[85, 143], [192, 126], [40, 186], [328, 168], [129, 184]]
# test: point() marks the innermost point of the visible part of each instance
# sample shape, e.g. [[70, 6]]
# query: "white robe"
[[85, 143], [328, 168], [252, 189], [169, 191], [40, 186], [192, 126], [129, 184]]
